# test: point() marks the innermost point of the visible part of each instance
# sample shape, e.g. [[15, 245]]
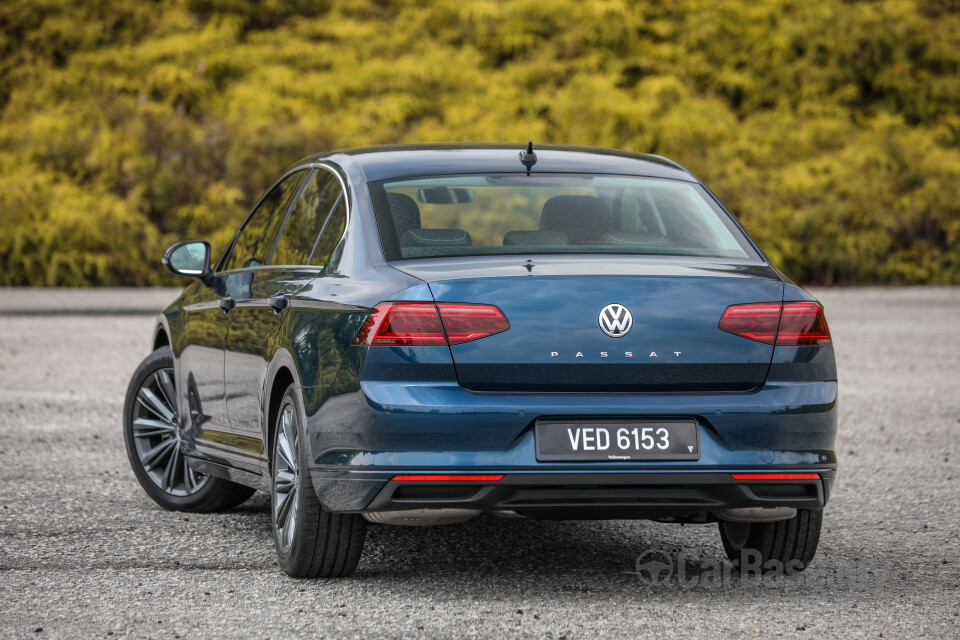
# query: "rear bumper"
[[680, 496], [360, 440]]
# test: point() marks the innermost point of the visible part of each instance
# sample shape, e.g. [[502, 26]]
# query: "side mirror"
[[190, 258]]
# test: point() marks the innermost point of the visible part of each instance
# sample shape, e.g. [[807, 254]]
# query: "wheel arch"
[[160, 337], [164, 329], [282, 373]]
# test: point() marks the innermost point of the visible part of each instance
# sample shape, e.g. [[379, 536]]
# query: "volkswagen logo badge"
[[615, 320]]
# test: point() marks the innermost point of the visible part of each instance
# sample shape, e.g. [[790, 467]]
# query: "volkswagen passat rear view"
[[418, 335]]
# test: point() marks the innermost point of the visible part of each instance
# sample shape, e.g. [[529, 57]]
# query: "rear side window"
[[253, 246], [552, 213], [331, 234], [304, 224]]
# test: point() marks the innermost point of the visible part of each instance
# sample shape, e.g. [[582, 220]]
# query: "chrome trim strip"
[[320, 305], [251, 302], [202, 306], [274, 267]]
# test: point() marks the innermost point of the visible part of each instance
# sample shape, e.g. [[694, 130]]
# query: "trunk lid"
[[556, 344]]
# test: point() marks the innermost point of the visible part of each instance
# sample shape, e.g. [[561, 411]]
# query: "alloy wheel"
[[286, 478], [157, 437]]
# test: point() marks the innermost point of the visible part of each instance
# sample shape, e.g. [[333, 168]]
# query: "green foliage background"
[[831, 128]]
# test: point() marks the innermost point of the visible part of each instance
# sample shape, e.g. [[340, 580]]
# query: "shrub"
[[830, 128]]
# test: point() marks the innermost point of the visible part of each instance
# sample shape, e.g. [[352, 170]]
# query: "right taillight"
[[420, 324], [787, 324], [803, 323]]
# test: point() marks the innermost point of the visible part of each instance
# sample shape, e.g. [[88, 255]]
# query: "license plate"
[[617, 440]]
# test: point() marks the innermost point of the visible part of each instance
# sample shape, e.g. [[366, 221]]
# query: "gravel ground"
[[83, 552]]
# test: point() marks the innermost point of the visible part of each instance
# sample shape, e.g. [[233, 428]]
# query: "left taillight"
[[466, 322], [429, 324], [786, 324]]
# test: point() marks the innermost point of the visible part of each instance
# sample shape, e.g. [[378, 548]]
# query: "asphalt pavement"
[[84, 552]]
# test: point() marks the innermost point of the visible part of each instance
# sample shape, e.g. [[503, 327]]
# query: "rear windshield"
[[568, 213]]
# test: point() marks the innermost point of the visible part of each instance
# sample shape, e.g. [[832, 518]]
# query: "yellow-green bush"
[[831, 128]]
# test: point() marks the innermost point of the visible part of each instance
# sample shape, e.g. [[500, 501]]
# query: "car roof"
[[408, 161]]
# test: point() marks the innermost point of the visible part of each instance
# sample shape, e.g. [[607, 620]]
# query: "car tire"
[[787, 545], [311, 542], [151, 433]]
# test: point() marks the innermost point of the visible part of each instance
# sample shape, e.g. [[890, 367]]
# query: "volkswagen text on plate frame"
[[418, 335]]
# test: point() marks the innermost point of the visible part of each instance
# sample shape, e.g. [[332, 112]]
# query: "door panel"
[[252, 342], [251, 321], [200, 366], [262, 297]]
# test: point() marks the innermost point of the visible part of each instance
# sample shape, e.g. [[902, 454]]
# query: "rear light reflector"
[[428, 324], [786, 324], [447, 478], [775, 476]]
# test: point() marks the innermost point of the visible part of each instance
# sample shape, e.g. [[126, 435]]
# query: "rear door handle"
[[278, 301], [227, 303]]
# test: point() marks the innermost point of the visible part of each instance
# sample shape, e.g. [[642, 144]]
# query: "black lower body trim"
[[670, 496]]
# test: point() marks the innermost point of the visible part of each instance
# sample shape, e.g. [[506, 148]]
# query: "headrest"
[[534, 237], [435, 238], [406, 213], [576, 214]]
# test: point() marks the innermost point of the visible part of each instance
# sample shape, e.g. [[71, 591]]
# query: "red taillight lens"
[[775, 476], [790, 323], [402, 324], [803, 323], [754, 321], [466, 322], [447, 478], [419, 324]]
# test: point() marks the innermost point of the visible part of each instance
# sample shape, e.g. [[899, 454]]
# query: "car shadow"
[[589, 556]]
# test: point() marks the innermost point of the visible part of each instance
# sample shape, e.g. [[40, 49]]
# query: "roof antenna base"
[[528, 158]]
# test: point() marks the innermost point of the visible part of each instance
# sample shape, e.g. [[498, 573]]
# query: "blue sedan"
[[417, 335]]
